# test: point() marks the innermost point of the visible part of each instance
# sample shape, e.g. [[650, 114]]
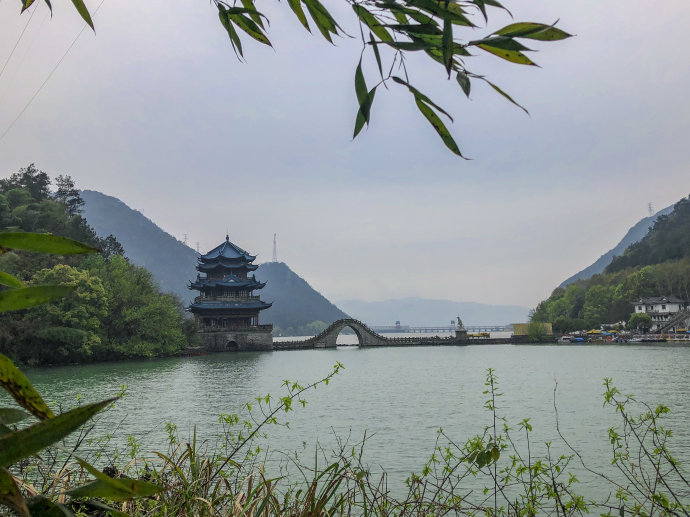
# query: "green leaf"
[[535, 31], [513, 56], [10, 415], [50, 6], [506, 95], [9, 280], [106, 487], [495, 454], [296, 7], [21, 444], [10, 495], [501, 42], [253, 13], [43, 243], [360, 85], [377, 54], [419, 95], [409, 45], [17, 299], [26, 4], [416, 28], [370, 21], [106, 508], [4, 430], [438, 125], [464, 82], [232, 33], [40, 506], [323, 19], [19, 387], [83, 12], [447, 46], [364, 111], [250, 27]]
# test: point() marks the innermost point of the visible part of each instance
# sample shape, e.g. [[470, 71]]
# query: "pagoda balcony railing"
[[237, 328], [228, 298]]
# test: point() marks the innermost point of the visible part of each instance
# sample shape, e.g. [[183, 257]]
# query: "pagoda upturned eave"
[[243, 305], [222, 264]]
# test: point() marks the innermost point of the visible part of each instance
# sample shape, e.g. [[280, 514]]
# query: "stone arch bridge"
[[366, 337]]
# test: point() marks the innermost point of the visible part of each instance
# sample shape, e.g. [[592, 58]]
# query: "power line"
[[26, 106], [18, 41]]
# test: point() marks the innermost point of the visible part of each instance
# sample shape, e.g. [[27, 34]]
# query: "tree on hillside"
[[389, 30], [30, 179], [68, 195]]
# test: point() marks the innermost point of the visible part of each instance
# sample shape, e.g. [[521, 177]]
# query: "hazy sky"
[[156, 110]]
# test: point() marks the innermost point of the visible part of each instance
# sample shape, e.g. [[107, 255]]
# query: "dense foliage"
[[658, 265], [116, 310]]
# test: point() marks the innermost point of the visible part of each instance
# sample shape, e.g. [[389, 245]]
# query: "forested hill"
[[669, 239], [658, 265], [296, 305], [635, 234], [171, 262]]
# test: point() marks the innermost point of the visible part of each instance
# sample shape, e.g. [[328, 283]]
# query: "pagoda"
[[226, 310]]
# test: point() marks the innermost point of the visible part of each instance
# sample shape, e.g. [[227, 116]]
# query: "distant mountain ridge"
[[173, 264], [635, 234], [420, 311]]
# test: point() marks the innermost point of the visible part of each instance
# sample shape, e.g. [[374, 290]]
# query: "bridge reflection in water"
[[369, 338]]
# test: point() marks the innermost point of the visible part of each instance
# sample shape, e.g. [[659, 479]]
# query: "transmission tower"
[[185, 239], [275, 249], [650, 209], [197, 247]]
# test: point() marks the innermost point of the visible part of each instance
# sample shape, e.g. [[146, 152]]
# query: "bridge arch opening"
[[349, 335], [232, 346]]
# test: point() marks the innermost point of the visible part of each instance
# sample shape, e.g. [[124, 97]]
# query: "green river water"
[[399, 396]]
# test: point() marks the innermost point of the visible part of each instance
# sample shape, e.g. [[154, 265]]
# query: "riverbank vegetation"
[[501, 471], [658, 265], [116, 310]]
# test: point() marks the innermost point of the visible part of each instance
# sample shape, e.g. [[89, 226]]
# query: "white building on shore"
[[660, 308]]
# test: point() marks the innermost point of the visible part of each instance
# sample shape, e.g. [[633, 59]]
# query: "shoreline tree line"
[[116, 312]]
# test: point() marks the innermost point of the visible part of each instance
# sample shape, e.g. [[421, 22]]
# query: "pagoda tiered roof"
[[246, 305], [230, 280]]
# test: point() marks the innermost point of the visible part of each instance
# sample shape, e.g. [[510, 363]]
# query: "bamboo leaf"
[[21, 444], [43, 243], [26, 297], [447, 45], [464, 82], [253, 13], [364, 111], [377, 54], [250, 27], [439, 126], [419, 95], [21, 390], [26, 4], [535, 31], [10, 415], [360, 85], [296, 7], [9, 280], [11, 496], [513, 56], [370, 21], [232, 33], [504, 94], [83, 12]]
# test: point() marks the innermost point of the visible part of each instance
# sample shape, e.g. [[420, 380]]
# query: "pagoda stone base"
[[251, 339]]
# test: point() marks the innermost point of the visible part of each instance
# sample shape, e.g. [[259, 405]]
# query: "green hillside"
[[657, 265]]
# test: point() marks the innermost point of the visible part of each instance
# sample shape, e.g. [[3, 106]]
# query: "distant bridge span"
[[368, 338]]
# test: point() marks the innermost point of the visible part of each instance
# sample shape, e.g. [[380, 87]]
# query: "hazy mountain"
[[295, 302], [635, 234], [172, 263], [420, 311]]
